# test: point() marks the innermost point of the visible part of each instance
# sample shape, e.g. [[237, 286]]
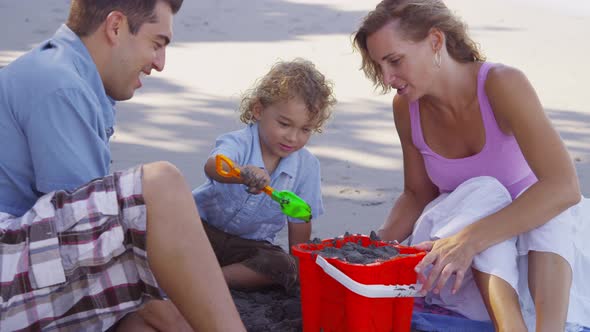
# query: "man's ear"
[[115, 24]]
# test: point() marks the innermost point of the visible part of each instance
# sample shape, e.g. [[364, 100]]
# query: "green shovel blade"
[[292, 205]]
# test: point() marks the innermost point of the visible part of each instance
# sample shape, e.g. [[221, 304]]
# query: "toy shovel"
[[291, 204]]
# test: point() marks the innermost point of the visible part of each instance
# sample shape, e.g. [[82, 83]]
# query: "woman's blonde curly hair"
[[416, 18], [287, 80]]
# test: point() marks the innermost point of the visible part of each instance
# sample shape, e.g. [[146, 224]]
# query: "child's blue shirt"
[[228, 207]]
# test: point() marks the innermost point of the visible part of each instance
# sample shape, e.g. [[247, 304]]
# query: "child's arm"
[[254, 177], [298, 233]]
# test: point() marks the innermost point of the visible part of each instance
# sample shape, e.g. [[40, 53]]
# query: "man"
[[78, 259]]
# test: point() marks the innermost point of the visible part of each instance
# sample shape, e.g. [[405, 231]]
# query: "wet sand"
[[220, 48], [270, 310]]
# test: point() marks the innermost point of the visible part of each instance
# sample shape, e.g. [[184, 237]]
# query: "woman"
[[458, 119]]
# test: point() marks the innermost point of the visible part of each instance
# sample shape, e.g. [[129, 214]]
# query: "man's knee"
[[161, 175]]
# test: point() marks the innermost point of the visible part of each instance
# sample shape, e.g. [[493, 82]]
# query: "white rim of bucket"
[[372, 291]]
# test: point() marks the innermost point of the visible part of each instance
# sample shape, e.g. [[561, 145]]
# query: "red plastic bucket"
[[330, 305]]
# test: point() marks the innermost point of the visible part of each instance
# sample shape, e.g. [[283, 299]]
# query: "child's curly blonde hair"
[[287, 80]]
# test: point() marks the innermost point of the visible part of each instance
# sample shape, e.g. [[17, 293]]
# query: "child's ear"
[[257, 109]]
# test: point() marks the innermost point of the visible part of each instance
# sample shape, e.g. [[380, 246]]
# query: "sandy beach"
[[220, 48]]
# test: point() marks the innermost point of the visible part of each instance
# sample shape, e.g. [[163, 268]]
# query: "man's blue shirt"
[[55, 122], [228, 207]]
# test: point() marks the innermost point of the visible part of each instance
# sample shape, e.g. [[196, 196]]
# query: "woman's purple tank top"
[[500, 157]]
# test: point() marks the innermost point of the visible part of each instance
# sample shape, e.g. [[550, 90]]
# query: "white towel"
[[482, 196], [447, 215]]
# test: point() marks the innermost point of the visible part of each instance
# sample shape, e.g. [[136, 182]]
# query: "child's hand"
[[255, 178]]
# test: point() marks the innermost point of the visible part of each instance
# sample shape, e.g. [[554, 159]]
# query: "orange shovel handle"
[[233, 171], [268, 190]]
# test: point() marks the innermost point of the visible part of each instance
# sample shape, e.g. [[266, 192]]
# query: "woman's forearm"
[[542, 202], [402, 217]]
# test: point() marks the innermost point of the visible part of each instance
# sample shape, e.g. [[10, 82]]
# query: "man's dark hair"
[[87, 15]]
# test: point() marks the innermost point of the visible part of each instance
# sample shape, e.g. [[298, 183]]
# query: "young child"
[[282, 111]]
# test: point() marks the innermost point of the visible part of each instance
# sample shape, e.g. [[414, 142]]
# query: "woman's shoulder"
[[401, 107], [510, 94], [401, 115], [503, 79]]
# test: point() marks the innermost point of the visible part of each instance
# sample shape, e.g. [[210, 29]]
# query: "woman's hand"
[[448, 256], [255, 178]]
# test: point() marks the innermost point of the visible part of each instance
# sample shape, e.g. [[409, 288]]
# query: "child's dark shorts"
[[260, 256]]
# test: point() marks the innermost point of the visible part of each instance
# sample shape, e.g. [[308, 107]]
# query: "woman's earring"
[[437, 59]]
